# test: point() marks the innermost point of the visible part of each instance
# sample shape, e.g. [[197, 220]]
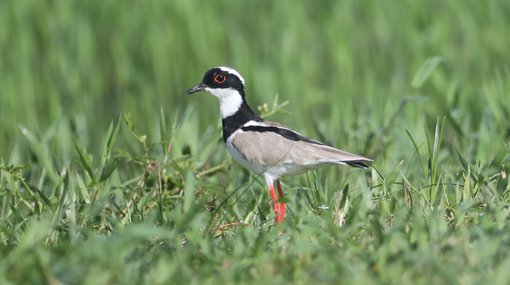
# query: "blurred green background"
[[110, 174], [344, 66]]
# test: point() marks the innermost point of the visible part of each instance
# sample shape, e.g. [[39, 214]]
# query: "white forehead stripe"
[[232, 71]]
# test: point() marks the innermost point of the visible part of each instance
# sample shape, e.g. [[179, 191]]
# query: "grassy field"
[[109, 174]]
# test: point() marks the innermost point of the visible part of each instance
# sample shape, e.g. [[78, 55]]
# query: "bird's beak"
[[199, 87]]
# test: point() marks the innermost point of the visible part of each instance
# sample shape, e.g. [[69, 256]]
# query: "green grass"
[[109, 174]]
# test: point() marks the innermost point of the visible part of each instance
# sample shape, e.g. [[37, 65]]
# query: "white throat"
[[229, 98]]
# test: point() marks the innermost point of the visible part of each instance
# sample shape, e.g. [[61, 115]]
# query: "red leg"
[[279, 208], [273, 194], [283, 205]]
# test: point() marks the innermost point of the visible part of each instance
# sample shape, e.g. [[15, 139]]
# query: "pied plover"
[[266, 148]]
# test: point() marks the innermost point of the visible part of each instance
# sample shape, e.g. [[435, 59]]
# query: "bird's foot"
[[280, 210]]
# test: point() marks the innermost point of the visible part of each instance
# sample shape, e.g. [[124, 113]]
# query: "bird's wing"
[[269, 144]]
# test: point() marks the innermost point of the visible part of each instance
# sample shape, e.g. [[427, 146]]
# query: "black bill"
[[199, 87]]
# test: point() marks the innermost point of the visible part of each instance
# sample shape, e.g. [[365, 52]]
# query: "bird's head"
[[226, 84]]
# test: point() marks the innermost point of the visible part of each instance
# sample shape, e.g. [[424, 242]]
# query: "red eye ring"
[[220, 78]]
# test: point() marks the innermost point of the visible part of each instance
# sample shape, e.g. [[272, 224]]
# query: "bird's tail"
[[360, 163], [342, 157], [314, 155]]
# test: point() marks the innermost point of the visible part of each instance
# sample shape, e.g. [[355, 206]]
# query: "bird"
[[266, 148]]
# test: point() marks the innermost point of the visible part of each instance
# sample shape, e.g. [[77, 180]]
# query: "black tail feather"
[[359, 163]]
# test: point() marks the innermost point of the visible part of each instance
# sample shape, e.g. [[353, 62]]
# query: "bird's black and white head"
[[227, 85]]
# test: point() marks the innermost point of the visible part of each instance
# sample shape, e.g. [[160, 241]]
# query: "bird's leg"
[[278, 209], [283, 205]]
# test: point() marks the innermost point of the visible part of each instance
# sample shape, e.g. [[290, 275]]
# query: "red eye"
[[219, 78]]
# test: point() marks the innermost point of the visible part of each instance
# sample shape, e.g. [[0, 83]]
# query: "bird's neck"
[[230, 102], [235, 121]]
